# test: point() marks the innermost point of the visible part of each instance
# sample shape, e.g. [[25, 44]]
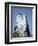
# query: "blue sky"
[[24, 10]]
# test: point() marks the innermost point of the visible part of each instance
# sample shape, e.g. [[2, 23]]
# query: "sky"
[[24, 10]]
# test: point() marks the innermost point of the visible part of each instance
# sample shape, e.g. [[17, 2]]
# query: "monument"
[[22, 25]]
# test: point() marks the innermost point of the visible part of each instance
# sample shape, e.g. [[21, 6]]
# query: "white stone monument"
[[21, 23]]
